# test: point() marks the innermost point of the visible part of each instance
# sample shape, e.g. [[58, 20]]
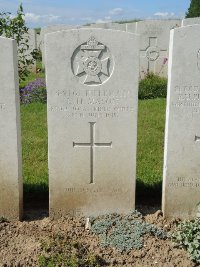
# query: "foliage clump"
[[152, 86], [124, 232], [35, 91], [187, 236], [15, 28], [194, 9], [59, 251]]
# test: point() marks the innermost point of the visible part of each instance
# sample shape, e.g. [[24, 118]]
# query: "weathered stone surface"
[[181, 182], [92, 120], [131, 27], [109, 25], [51, 29], [190, 21], [63, 27], [10, 145], [154, 43]]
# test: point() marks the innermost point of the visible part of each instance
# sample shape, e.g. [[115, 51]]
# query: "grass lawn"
[[149, 152]]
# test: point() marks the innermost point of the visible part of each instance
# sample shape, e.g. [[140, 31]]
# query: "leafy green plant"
[[187, 236], [152, 86], [15, 28]]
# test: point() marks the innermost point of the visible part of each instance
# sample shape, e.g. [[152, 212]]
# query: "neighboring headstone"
[[92, 120], [109, 25], [51, 29], [190, 21], [131, 27], [38, 41], [32, 45], [10, 143], [154, 44], [181, 182]]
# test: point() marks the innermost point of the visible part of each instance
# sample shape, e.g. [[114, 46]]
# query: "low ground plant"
[[124, 232], [187, 236], [34, 92], [59, 251]]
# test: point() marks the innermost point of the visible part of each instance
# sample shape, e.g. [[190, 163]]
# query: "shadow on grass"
[[36, 201], [148, 195], [36, 198]]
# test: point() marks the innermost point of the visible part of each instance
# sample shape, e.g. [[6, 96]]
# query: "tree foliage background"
[[194, 9], [15, 28]]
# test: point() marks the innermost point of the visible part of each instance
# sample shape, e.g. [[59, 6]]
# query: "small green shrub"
[[187, 236], [152, 86]]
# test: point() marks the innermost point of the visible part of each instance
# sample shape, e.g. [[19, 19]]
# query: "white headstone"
[[181, 182], [32, 45], [131, 27], [110, 25], [10, 143], [92, 120], [154, 44], [190, 21], [51, 29]]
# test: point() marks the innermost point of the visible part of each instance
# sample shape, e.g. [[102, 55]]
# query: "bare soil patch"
[[21, 243]]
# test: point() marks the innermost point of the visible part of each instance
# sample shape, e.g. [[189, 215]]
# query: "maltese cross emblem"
[[92, 62]]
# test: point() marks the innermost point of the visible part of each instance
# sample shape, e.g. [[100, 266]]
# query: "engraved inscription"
[[185, 182], [96, 190], [94, 103], [92, 146], [92, 62], [187, 96]]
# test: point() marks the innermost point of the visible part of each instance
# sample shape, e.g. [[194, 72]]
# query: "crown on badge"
[[92, 44]]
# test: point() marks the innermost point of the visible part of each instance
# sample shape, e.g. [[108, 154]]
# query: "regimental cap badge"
[[92, 44], [92, 62]]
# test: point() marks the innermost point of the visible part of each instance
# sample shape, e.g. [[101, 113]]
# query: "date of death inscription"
[[93, 103]]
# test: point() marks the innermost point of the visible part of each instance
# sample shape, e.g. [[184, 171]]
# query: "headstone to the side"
[[38, 41], [51, 29], [92, 120], [131, 27], [154, 44], [10, 143], [109, 25], [190, 21], [32, 36], [181, 182]]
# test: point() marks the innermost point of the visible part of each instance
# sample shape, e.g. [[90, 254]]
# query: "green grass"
[[34, 147], [149, 152], [151, 123]]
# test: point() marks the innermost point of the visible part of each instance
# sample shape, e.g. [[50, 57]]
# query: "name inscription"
[[97, 103]]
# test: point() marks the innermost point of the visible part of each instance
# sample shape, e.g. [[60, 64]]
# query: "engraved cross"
[[152, 53], [92, 145]]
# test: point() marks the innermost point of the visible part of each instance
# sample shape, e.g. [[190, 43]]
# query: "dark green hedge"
[[152, 86]]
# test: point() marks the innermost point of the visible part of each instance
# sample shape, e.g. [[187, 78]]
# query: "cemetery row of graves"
[[92, 111], [82, 134]]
